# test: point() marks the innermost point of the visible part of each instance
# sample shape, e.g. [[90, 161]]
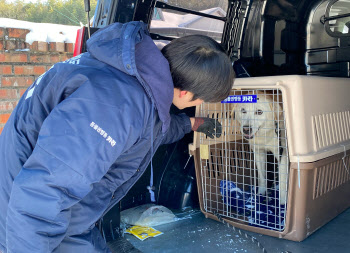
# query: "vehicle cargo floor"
[[195, 233]]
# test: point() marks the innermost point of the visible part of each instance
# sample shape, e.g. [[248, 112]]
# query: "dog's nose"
[[247, 130]]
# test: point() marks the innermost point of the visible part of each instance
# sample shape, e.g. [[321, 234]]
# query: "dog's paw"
[[262, 190]]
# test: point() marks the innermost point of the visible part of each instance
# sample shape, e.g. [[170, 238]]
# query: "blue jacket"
[[81, 136]]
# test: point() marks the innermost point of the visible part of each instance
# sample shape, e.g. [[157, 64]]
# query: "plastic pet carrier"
[[281, 165]]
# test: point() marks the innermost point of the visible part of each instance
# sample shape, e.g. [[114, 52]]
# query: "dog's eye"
[[243, 110], [259, 112]]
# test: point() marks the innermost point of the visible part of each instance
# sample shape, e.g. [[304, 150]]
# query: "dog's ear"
[[277, 110], [235, 123], [233, 113]]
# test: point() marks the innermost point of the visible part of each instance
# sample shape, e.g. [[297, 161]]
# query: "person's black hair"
[[200, 65]]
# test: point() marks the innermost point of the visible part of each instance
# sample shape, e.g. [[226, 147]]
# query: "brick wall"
[[21, 64]]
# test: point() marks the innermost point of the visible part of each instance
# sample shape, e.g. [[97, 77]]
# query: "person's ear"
[[183, 93]]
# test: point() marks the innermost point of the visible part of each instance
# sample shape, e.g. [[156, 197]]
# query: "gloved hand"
[[208, 126]]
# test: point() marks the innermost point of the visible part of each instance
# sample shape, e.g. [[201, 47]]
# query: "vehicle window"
[[174, 23], [339, 25]]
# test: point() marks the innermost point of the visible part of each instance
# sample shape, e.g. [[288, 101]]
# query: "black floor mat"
[[121, 245]]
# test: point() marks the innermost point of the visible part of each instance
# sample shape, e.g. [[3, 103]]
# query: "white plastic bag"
[[147, 215]]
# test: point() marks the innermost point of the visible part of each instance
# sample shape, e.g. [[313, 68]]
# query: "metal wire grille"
[[245, 171]]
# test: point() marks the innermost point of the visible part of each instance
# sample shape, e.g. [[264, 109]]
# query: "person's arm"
[[179, 126], [77, 144], [192, 119]]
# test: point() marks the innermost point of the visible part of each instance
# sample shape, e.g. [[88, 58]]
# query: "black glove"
[[208, 126]]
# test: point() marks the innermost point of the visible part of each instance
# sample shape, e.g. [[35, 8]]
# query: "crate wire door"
[[245, 171]]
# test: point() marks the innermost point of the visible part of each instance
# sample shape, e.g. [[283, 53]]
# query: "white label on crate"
[[241, 99]]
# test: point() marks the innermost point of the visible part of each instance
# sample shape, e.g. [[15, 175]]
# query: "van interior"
[[262, 38]]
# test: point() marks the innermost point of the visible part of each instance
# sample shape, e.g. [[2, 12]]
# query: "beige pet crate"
[[311, 116]]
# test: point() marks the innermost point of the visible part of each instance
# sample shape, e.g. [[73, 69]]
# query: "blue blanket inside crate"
[[261, 211]]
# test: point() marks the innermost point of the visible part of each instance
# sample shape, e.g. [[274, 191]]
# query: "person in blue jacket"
[[84, 132]]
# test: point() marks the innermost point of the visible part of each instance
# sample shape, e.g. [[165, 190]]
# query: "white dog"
[[262, 125]]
